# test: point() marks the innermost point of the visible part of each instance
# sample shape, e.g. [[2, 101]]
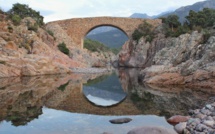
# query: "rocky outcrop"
[[26, 52], [185, 60], [140, 53]]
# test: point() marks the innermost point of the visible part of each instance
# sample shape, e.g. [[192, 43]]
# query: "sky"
[[53, 10]]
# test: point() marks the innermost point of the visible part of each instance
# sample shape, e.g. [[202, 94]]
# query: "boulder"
[[177, 119], [151, 130]]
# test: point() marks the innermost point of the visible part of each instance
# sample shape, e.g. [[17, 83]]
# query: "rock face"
[[26, 52], [183, 60]]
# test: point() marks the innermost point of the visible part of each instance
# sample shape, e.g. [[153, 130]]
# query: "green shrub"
[[10, 29], [33, 27], [16, 19], [62, 47], [23, 11], [136, 35], [50, 33], [63, 87], [3, 62], [206, 36]]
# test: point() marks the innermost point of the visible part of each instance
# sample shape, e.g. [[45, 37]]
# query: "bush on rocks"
[[62, 47]]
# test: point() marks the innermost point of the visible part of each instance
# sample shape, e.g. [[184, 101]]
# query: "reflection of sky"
[[101, 101], [102, 97], [106, 92], [61, 122]]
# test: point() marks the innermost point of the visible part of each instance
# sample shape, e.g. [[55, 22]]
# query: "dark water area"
[[84, 103]]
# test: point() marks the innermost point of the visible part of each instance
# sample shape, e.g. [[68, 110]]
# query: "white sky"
[[65, 9]]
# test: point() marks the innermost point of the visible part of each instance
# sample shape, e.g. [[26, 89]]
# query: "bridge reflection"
[[22, 99]]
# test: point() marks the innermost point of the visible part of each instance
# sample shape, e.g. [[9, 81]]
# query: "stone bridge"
[[78, 28]]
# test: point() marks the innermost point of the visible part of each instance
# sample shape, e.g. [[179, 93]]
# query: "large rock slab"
[[151, 130]]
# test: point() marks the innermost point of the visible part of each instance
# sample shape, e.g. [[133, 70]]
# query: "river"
[[84, 103]]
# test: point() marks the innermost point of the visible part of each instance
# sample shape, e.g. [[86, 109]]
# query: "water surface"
[[80, 103]]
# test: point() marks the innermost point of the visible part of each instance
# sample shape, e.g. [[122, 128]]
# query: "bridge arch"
[[77, 28], [101, 25]]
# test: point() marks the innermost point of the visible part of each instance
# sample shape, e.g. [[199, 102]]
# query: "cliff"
[[185, 60]]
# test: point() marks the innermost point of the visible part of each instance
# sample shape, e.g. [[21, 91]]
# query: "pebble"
[[208, 106], [208, 123], [200, 127], [201, 116], [205, 111]]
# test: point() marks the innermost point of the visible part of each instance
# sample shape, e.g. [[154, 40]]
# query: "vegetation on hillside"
[[144, 30], [20, 11], [199, 21], [95, 46]]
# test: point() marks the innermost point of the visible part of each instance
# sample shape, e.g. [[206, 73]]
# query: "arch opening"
[[109, 35]]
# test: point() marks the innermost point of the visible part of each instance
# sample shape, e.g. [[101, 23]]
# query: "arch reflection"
[[104, 91]]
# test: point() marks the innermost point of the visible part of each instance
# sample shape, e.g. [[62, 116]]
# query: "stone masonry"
[[77, 28]]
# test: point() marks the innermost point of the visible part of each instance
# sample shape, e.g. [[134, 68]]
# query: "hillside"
[[184, 11], [113, 39], [180, 12], [101, 29], [28, 47]]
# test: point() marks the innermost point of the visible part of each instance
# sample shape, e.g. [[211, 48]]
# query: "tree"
[[204, 18], [144, 30], [172, 21], [23, 11]]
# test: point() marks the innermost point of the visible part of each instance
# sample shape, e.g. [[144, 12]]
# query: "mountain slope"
[[112, 39], [182, 12], [140, 15]]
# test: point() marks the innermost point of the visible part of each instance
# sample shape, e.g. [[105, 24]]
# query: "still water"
[[80, 103]]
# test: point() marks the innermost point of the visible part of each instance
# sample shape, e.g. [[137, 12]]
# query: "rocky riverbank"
[[200, 121], [185, 60]]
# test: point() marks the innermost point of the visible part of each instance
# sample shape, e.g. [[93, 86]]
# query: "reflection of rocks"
[[165, 101], [25, 96], [21, 99]]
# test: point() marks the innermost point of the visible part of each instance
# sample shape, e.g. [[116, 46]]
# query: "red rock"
[[177, 119]]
